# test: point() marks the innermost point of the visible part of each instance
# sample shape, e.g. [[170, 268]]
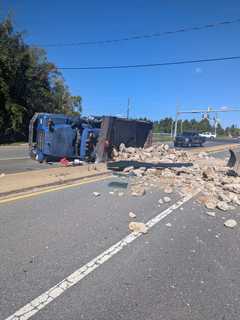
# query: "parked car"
[[189, 139], [208, 135]]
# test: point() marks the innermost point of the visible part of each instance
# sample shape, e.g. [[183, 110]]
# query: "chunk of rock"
[[128, 169], [168, 225], [233, 187], [211, 213], [132, 215], [166, 199], [160, 201], [230, 223], [122, 147], [168, 190], [138, 191], [209, 202], [96, 194], [137, 227], [221, 205], [138, 172], [208, 174]]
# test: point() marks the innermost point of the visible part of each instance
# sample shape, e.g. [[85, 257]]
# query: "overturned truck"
[[92, 139]]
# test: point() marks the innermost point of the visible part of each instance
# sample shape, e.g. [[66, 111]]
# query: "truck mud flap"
[[234, 163]]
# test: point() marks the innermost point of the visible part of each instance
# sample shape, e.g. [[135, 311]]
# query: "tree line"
[[29, 83], [166, 126]]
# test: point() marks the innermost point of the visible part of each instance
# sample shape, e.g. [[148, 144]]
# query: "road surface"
[[16, 159], [185, 267]]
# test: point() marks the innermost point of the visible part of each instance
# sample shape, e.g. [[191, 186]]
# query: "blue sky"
[[154, 92]]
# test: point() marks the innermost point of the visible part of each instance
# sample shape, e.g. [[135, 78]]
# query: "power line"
[[143, 36], [151, 65]]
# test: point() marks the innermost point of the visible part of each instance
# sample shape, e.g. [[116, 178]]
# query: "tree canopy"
[[166, 125], [29, 83]]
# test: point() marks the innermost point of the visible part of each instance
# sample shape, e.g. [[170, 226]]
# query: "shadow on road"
[[121, 165]]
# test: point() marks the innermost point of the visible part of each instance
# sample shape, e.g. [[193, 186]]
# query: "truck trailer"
[[91, 139]]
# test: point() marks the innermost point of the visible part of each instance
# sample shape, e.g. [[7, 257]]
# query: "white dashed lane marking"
[[31, 308]]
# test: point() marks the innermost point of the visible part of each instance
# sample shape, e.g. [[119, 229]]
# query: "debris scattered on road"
[[166, 199], [211, 213], [182, 171], [230, 223], [137, 227], [168, 190], [96, 194], [138, 190], [168, 224], [132, 215]]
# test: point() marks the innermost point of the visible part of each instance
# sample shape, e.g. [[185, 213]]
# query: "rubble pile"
[[185, 172]]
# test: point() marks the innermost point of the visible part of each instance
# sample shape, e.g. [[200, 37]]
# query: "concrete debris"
[[168, 225], [138, 191], [208, 174], [222, 205], [211, 213], [230, 223], [166, 199], [132, 215], [96, 194], [185, 172], [168, 190], [128, 169], [137, 227]]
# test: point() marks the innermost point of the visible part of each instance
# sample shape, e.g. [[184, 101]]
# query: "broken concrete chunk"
[[132, 215], [230, 223], [137, 227], [160, 201], [168, 224], [166, 199], [128, 169], [138, 191], [211, 213], [122, 147], [96, 194], [168, 190], [221, 205], [208, 174]]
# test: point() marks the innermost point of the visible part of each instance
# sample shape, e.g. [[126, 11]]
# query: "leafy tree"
[[29, 83]]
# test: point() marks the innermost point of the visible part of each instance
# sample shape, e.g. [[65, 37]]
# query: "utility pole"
[[128, 108], [176, 123]]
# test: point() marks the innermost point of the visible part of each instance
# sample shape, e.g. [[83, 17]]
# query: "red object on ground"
[[64, 162]]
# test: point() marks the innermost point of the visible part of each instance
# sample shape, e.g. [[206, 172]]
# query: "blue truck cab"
[[54, 136]]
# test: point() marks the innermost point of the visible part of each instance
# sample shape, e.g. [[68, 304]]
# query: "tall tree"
[[29, 83]]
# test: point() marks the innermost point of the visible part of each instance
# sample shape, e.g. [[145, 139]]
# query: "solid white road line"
[[17, 158], [44, 299]]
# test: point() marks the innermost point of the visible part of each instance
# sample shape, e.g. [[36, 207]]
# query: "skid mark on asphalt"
[[50, 295]]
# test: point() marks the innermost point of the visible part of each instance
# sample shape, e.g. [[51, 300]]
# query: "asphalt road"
[[186, 267], [16, 159]]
